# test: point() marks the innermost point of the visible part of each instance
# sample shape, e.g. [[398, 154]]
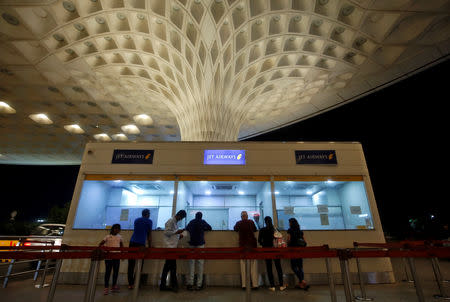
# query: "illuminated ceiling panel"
[[217, 70]]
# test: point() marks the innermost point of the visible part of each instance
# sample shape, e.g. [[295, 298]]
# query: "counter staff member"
[[196, 229], [171, 236], [142, 231], [246, 229]]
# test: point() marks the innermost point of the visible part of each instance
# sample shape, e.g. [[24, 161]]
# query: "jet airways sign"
[[315, 157], [133, 157], [224, 157]]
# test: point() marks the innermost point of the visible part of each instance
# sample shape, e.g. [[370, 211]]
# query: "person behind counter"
[[196, 229], [265, 239], [295, 239], [246, 229], [171, 236], [142, 232], [112, 240]]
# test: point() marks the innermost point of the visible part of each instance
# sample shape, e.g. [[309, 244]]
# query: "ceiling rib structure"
[[148, 70]]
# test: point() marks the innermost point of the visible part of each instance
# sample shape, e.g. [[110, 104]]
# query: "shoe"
[[272, 289], [283, 287], [197, 288], [174, 289], [244, 288], [106, 291], [115, 288], [190, 287], [302, 285], [255, 288], [130, 287]]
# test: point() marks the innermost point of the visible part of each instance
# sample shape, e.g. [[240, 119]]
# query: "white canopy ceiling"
[[210, 70]]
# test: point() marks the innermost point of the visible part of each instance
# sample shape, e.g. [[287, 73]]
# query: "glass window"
[[323, 205], [104, 203], [222, 202]]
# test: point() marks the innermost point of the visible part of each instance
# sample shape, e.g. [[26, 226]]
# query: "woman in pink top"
[[112, 240]]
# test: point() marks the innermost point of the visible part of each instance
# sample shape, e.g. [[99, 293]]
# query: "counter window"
[[222, 202], [104, 203], [323, 205]]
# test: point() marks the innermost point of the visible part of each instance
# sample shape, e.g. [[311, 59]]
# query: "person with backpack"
[[266, 239], [295, 239]]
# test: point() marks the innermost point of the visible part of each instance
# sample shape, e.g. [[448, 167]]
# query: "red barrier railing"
[[405, 249]]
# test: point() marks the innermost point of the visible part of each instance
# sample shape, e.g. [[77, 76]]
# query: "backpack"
[[278, 240]]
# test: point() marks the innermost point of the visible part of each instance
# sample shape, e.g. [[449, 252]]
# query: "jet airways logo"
[[315, 157], [133, 157]]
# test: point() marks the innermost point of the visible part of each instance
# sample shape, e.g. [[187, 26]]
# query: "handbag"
[[278, 240], [301, 242]]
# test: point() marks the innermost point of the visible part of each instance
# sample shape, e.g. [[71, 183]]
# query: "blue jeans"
[[297, 267]]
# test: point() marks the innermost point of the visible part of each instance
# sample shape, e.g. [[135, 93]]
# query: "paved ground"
[[24, 290]]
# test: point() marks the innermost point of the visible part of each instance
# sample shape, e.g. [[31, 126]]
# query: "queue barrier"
[[408, 250]]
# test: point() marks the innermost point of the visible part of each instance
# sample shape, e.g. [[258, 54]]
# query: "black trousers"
[[113, 265], [270, 273], [297, 267], [169, 266], [132, 264]]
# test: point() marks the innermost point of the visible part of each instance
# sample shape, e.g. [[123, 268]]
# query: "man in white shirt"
[[171, 236]]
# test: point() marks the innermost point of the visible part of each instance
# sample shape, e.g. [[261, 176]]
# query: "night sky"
[[401, 128]]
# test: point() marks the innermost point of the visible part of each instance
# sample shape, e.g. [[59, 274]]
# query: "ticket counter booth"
[[325, 186]]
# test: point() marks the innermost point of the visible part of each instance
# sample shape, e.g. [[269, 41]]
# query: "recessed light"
[[76, 129], [130, 129], [143, 119], [58, 37], [102, 137], [119, 137], [120, 16], [41, 118], [69, 6], [78, 26], [10, 19], [5, 108], [347, 10], [100, 20]]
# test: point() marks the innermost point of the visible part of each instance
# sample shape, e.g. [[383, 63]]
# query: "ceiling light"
[[347, 10], [171, 192], [79, 26], [207, 192], [276, 192], [102, 137], [323, 2], [130, 129], [10, 19], [143, 119], [5, 108], [241, 192], [58, 37], [120, 137], [100, 20], [41, 118], [74, 129], [120, 16], [69, 6]]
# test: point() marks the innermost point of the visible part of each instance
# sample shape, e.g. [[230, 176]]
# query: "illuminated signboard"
[[133, 157], [224, 157]]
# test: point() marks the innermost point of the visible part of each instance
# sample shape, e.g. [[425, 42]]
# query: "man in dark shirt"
[[196, 229], [142, 232], [246, 229]]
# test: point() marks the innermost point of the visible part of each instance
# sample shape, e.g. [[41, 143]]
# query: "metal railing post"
[[51, 292], [405, 265], [93, 282], [331, 280], [439, 280], [416, 279], [8, 273], [344, 255], [44, 274], [363, 296], [137, 280], [36, 273], [89, 280]]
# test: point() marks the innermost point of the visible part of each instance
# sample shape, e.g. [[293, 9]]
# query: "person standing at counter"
[[246, 229], [142, 232], [295, 239], [171, 236], [265, 238], [196, 229]]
